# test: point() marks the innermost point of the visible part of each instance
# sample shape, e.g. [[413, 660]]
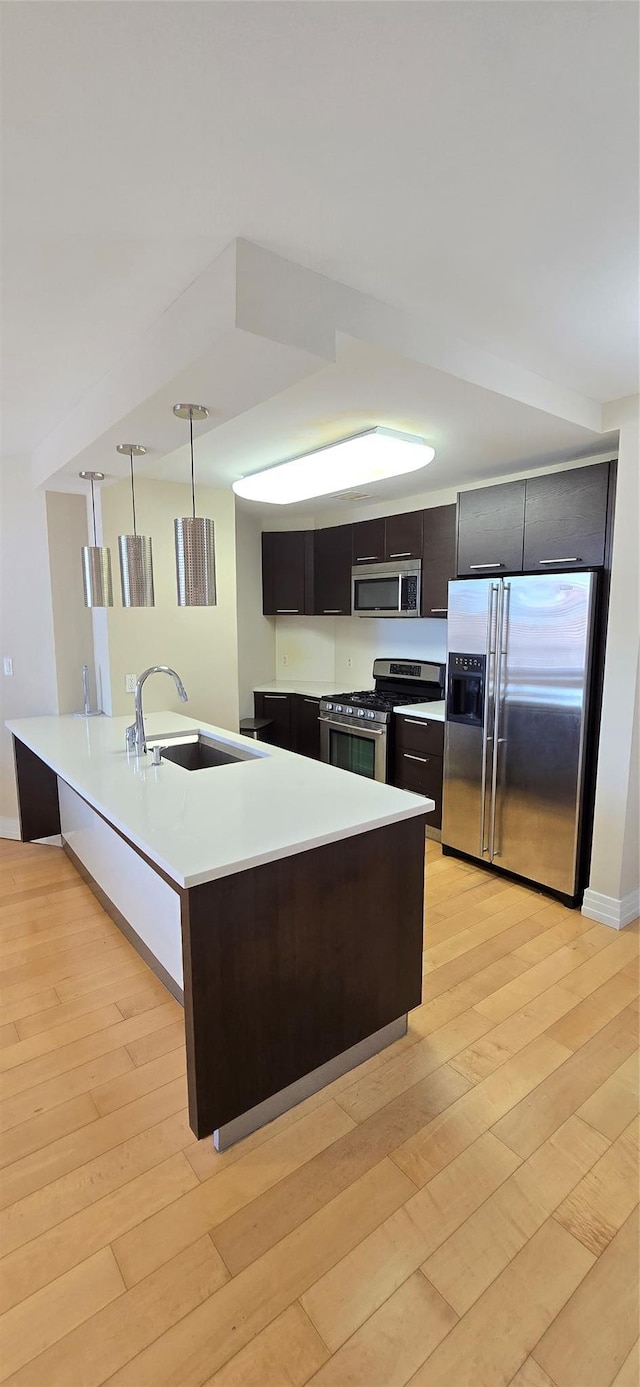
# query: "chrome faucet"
[[135, 735]]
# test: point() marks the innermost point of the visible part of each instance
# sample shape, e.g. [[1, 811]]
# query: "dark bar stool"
[[256, 728]]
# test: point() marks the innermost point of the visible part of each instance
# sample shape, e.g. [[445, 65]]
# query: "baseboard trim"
[[10, 828], [608, 910]]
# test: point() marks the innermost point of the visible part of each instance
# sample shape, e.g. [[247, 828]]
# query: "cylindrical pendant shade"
[[96, 576], [136, 570], [195, 561]]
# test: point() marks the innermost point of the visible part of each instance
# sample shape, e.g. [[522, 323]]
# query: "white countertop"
[[431, 712], [199, 825], [314, 688]]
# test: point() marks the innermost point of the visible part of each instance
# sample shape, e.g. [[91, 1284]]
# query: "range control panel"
[[466, 664]]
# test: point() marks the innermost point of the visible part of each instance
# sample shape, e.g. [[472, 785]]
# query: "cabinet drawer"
[[418, 734], [423, 776]]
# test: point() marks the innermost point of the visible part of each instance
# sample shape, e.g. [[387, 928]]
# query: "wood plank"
[[602, 1201], [42, 1097], [570, 1351], [599, 969], [27, 1006], [42, 1319], [210, 1203], [46, 1127], [532, 1375], [530, 1122], [614, 1105], [629, 1374], [8, 1034], [394, 1341], [285, 1354], [161, 1041], [591, 1014], [510, 1036], [439, 1141], [120, 1092], [247, 1234], [54, 1039], [102, 1222], [537, 979], [99, 1346], [482, 1247], [490, 1344], [359, 1284], [205, 1339]]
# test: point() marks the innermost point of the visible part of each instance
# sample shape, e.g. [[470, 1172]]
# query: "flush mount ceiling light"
[[96, 560], [194, 536], [136, 560], [352, 462]]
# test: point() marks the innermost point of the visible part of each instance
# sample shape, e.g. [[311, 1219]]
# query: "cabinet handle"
[[486, 565], [439, 609], [275, 696], [287, 611], [408, 756], [406, 555], [314, 701], [417, 722], [367, 558], [332, 611], [541, 561]]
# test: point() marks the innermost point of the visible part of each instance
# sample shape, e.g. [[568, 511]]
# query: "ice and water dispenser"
[[465, 689]]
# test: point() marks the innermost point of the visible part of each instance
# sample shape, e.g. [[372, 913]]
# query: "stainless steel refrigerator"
[[518, 680]]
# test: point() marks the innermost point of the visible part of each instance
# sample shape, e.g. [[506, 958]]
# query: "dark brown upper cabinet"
[[491, 530], [438, 559], [565, 518], [403, 536], [287, 572], [368, 541], [332, 554]]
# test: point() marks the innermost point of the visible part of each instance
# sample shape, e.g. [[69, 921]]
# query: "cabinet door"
[[565, 518], [403, 536], [332, 550], [306, 727], [438, 559], [278, 708], [368, 541], [422, 774], [285, 572], [491, 530]]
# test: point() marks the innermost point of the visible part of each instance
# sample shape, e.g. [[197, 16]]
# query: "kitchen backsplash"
[[344, 650]]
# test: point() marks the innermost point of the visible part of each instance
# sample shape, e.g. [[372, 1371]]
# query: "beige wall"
[[199, 642], [26, 617], [72, 628], [614, 862]]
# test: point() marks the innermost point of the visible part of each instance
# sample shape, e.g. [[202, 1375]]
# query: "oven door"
[[352, 747]]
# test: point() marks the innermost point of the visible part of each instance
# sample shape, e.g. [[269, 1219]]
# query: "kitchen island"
[[281, 899]]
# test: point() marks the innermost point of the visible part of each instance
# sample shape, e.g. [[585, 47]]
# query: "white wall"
[[256, 633], [614, 860], [199, 642], [342, 650], [26, 618], [72, 626]]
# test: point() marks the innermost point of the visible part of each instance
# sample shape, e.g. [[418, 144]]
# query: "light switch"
[[7, 665]]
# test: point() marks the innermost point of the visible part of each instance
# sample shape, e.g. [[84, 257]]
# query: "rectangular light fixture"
[[350, 462]]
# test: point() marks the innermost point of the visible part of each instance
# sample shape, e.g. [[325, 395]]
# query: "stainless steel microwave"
[[386, 589]]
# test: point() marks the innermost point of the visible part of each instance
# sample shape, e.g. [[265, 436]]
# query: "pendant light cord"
[[93, 508], [193, 480], [133, 495]]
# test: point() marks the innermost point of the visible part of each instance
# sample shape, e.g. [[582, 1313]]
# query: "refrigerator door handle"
[[491, 651], [498, 741]]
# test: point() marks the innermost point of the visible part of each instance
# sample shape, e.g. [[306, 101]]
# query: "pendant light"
[[136, 559], [96, 560], [194, 537]]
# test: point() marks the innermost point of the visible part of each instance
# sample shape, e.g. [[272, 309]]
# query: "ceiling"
[[474, 164]]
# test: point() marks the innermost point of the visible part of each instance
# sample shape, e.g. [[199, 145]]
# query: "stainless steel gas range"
[[355, 727]]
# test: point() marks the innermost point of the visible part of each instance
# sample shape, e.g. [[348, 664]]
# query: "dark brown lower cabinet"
[[295, 721], [417, 760]]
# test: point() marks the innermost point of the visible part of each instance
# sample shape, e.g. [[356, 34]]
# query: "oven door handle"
[[353, 727]]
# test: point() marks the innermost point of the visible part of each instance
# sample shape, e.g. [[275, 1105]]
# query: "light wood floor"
[[461, 1211]]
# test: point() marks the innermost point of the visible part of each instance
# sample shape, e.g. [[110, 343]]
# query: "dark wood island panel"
[[292, 963]]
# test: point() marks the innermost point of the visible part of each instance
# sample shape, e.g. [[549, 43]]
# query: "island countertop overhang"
[[203, 825]]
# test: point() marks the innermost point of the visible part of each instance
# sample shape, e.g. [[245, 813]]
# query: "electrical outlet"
[[130, 683], [7, 665], [284, 659], [349, 662]]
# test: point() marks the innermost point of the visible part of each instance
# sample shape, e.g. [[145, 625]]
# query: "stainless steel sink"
[[199, 753]]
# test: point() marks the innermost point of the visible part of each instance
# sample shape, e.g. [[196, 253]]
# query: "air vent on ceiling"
[[349, 496]]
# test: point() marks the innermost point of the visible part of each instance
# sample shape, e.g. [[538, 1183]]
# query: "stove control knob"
[[347, 710], [360, 712], [328, 707], [337, 708], [371, 715]]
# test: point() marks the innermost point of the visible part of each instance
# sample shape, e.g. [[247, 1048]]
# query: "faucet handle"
[[130, 736]]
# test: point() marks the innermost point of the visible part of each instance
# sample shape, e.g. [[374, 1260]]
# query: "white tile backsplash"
[[344, 649]]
